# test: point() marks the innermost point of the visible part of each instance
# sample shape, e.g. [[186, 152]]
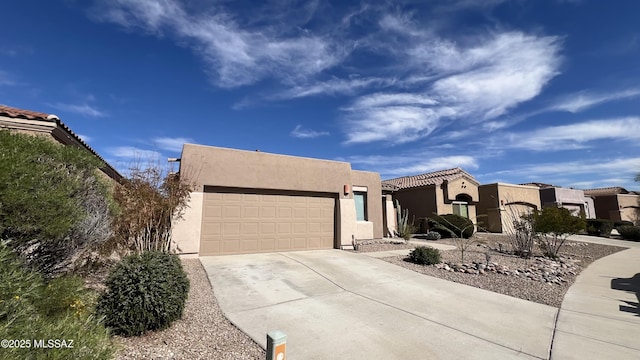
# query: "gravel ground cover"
[[202, 333], [536, 279]]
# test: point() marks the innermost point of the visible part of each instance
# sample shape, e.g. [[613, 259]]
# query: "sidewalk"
[[600, 315]]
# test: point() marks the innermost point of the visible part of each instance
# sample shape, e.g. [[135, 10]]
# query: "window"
[[461, 208], [360, 199]]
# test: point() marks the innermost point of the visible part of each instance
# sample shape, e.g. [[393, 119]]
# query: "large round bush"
[[144, 292]]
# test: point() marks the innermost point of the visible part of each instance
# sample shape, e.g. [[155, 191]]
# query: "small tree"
[[458, 231], [554, 225], [519, 228], [148, 201]]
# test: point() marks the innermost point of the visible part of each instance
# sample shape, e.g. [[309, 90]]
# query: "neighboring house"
[[616, 204], [572, 199], [452, 191], [50, 126], [251, 202], [500, 204]]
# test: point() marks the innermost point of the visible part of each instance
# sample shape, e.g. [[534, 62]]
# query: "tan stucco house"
[[452, 191], [252, 202], [616, 204], [49, 126], [500, 204], [573, 200]]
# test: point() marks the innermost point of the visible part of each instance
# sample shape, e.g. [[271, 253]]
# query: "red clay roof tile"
[[432, 178], [606, 191], [22, 114], [34, 115]]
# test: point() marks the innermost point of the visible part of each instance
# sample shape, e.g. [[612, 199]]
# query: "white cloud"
[[424, 82], [81, 109], [413, 163], [594, 172], [134, 153], [171, 144], [574, 136], [477, 83], [584, 100], [433, 164], [335, 86], [301, 133], [592, 166], [397, 124], [235, 56]]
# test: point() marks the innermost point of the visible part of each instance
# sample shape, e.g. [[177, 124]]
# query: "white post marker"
[[276, 345]]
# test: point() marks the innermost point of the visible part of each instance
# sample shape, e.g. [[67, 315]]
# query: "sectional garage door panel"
[[237, 223]]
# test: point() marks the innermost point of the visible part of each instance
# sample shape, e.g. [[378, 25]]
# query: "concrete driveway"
[[334, 304]]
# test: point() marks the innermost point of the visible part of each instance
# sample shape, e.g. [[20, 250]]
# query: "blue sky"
[[511, 91]]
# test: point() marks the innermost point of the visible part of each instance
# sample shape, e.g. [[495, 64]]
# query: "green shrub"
[[630, 232], [451, 225], [144, 292], [599, 227], [433, 235], [425, 255], [618, 224], [46, 192], [31, 308], [553, 225]]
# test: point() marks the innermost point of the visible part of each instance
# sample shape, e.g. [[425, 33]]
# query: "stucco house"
[[572, 199], [252, 202], [451, 191], [500, 204], [616, 204], [50, 127]]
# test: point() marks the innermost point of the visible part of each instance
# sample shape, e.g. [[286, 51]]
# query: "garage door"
[[241, 223]]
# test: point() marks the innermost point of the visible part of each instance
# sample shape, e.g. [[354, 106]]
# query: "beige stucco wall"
[[390, 221], [372, 182], [629, 207], [618, 207], [459, 186], [230, 168], [448, 191], [347, 229], [208, 165], [424, 202], [185, 232], [488, 208], [421, 202], [500, 203]]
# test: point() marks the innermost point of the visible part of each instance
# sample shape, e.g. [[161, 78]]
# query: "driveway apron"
[[334, 304]]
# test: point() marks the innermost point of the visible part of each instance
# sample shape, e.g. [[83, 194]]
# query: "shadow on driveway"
[[631, 285]]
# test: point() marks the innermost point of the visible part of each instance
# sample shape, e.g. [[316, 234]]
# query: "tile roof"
[[24, 114], [538, 185], [607, 191], [16, 113], [432, 178], [389, 187]]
